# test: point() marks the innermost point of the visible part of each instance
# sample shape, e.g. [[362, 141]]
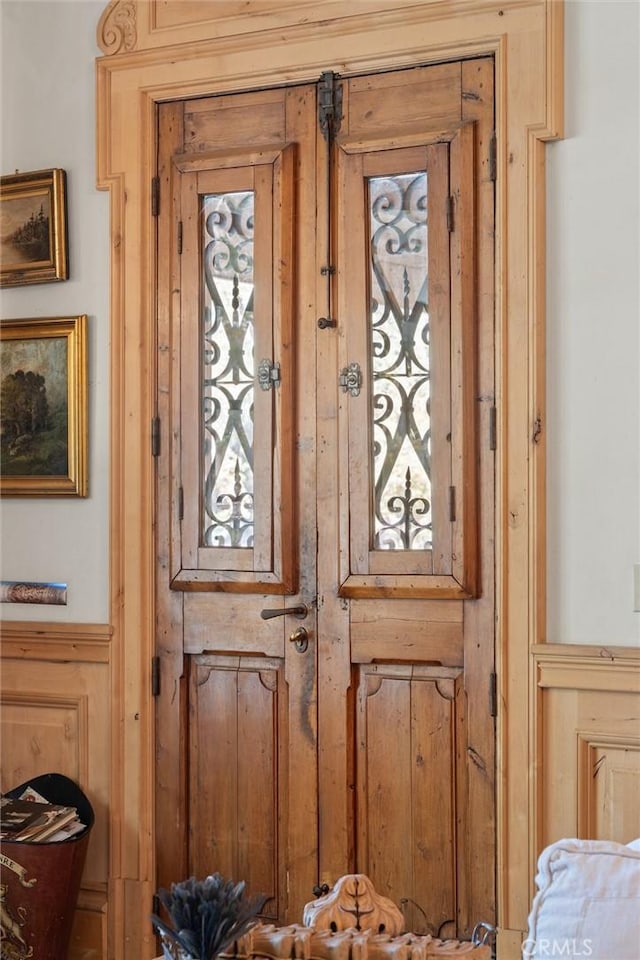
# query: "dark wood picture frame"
[[33, 228], [43, 407]]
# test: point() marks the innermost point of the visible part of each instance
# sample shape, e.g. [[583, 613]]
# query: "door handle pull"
[[300, 612], [300, 638]]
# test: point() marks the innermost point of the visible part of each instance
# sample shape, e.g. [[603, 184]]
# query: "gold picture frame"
[[33, 228], [43, 407]]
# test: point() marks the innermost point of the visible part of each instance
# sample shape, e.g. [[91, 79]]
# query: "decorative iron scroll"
[[400, 362], [228, 370]]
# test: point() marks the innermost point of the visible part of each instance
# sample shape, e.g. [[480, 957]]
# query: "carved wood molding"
[[117, 29], [615, 669], [63, 642]]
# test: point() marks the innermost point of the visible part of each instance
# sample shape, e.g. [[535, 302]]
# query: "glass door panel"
[[235, 375], [408, 440]]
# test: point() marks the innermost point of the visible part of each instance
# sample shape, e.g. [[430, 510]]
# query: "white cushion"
[[588, 902]]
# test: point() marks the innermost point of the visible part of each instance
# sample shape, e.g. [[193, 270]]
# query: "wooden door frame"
[[155, 51]]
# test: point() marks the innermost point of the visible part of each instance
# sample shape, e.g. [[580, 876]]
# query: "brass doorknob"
[[300, 638]]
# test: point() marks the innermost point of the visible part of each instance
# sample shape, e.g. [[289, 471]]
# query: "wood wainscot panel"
[[55, 716], [587, 743], [608, 787]]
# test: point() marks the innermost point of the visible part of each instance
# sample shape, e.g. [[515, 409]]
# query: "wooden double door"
[[325, 490]]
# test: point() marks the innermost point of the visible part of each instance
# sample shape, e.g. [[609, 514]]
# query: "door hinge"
[[155, 437], [155, 196], [493, 157], [268, 374], [493, 429], [179, 238], [493, 695], [452, 504], [329, 104], [180, 503], [450, 213], [155, 676], [155, 904]]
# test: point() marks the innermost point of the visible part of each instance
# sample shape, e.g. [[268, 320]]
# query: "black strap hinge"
[[155, 437], [493, 695], [493, 428], [493, 157], [155, 196], [449, 212]]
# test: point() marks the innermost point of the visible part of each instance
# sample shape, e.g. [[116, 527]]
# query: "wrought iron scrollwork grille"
[[228, 369], [400, 362]]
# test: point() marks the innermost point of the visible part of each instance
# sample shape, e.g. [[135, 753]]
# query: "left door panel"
[[236, 701]]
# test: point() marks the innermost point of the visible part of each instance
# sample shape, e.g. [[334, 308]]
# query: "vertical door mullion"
[[190, 352], [353, 314], [265, 349], [464, 360], [440, 354]]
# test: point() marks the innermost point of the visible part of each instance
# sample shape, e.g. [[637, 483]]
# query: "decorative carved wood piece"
[[117, 30], [354, 902]]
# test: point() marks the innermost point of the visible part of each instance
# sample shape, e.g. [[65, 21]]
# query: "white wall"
[[593, 331], [48, 120], [47, 113]]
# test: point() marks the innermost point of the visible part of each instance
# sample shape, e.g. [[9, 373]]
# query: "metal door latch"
[[351, 379], [268, 374]]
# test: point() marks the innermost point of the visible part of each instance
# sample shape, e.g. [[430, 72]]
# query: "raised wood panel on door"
[[55, 717], [410, 730], [237, 706]]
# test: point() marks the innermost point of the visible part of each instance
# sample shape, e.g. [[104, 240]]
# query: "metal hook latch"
[[351, 379], [268, 374]]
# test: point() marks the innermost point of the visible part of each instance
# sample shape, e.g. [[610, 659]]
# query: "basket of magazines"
[[45, 825]]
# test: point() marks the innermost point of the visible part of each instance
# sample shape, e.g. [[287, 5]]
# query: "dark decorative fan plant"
[[206, 916]]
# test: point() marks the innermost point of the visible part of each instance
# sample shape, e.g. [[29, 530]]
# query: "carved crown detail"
[[354, 902], [117, 27]]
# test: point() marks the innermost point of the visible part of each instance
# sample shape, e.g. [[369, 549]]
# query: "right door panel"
[[414, 588]]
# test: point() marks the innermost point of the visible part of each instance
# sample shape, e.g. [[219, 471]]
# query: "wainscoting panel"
[[587, 743], [55, 717]]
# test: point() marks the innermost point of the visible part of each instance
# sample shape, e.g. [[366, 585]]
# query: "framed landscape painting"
[[43, 407], [33, 228]]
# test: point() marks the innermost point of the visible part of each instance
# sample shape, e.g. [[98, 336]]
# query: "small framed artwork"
[[33, 228], [43, 407]]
